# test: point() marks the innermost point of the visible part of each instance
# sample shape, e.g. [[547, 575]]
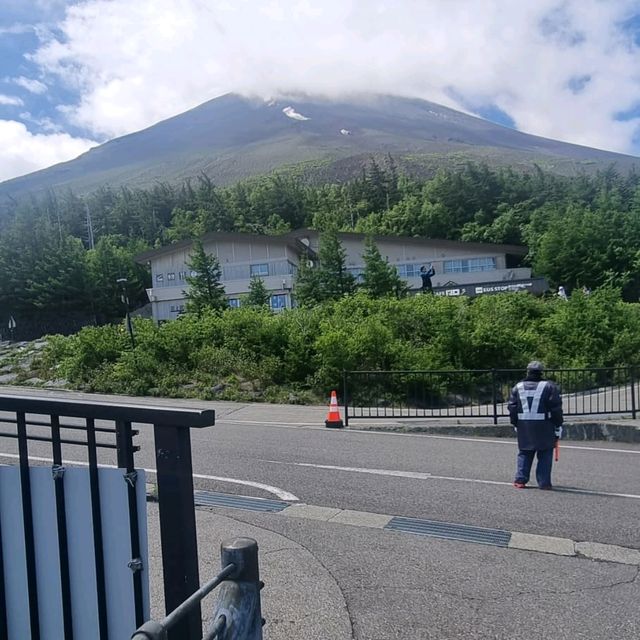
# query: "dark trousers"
[[543, 468]]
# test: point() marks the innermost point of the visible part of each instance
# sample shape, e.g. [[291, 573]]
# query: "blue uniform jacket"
[[535, 409]]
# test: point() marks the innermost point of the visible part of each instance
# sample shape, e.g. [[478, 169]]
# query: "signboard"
[[532, 285]]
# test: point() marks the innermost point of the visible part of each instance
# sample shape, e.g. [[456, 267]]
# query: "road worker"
[[535, 410]]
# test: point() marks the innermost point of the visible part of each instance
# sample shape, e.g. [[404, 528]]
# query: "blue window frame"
[[259, 269], [234, 303], [469, 265], [279, 301], [408, 270]]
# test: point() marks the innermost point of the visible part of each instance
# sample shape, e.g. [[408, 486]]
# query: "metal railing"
[[482, 393], [237, 615], [95, 426]]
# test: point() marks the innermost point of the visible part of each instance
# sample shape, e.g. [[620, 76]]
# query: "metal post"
[[633, 393], [27, 520], [239, 596], [125, 448], [177, 526]]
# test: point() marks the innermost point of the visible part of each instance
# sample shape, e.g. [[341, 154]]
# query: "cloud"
[[12, 101], [132, 64], [30, 84], [16, 29], [23, 152]]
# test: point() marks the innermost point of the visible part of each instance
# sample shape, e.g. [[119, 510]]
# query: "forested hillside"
[[65, 253]]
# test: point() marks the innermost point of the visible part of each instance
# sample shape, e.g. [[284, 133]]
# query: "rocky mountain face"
[[233, 137]]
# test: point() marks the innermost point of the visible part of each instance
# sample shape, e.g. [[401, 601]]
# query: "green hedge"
[[299, 355]]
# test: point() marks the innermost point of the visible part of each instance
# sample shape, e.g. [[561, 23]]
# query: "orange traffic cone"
[[334, 421]]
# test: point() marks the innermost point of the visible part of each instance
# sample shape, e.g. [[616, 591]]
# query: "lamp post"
[[125, 301]]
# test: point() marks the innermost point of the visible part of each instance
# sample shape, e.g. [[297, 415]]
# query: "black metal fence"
[[237, 615], [482, 393], [94, 426]]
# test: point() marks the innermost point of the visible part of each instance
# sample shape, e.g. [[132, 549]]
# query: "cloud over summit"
[[560, 69]]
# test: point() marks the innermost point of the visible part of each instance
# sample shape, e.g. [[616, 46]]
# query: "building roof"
[[293, 239], [286, 239], [478, 246]]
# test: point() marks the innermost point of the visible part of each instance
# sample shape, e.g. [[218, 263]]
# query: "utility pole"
[[127, 318]]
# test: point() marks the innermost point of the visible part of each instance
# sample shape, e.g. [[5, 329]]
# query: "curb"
[[515, 540], [581, 431]]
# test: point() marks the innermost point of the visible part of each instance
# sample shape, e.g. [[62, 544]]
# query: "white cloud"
[[137, 63], [30, 84], [12, 101], [23, 152]]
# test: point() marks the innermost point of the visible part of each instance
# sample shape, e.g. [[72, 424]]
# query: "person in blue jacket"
[[535, 410]]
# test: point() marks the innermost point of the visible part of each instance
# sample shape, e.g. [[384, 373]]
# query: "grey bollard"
[[239, 594]]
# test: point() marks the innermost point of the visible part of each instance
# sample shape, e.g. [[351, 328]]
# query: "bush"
[[300, 354]]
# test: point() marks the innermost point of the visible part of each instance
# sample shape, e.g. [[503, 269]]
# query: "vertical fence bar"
[[345, 398], [124, 441], [61, 519], [27, 519], [177, 526], [633, 392], [494, 396], [96, 521]]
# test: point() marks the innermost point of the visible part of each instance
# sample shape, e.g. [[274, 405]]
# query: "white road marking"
[[416, 475], [281, 493]]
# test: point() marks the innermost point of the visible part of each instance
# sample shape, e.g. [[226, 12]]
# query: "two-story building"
[[462, 268]]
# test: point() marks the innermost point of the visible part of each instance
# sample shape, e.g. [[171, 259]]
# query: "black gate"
[[94, 427]]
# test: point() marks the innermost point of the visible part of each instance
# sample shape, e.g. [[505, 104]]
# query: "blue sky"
[[75, 73]]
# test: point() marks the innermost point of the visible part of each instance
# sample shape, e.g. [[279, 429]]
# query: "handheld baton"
[[557, 450]]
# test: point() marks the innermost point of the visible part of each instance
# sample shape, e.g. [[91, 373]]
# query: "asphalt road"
[[400, 586]]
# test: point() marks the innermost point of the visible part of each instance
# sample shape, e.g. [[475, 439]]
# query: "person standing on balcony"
[[535, 411], [426, 275]]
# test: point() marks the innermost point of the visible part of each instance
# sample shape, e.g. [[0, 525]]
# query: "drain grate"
[[230, 501], [450, 531]]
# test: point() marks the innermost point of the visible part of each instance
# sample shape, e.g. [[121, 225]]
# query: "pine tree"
[[205, 290], [380, 279], [306, 287], [258, 295], [334, 280]]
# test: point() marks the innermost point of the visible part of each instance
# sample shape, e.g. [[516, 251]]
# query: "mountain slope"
[[232, 137]]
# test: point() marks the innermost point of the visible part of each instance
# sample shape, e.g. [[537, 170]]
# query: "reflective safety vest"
[[530, 401]]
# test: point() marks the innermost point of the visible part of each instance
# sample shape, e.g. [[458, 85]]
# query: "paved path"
[[335, 570]]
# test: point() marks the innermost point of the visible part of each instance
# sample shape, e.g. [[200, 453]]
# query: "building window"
[[171, 276], [160, 277], [279, 301], [357, 273], [177, 308], [259, 270], [194, 274], [469, 265], [234, 303], [408, 270], [182, 275]]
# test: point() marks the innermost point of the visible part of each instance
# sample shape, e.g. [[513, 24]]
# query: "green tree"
[[307, 283], [205, 290], [334, 279], [258, 295], [110, 260], [380, 279]]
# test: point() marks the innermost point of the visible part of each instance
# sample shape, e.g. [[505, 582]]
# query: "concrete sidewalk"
[[300, 599]]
